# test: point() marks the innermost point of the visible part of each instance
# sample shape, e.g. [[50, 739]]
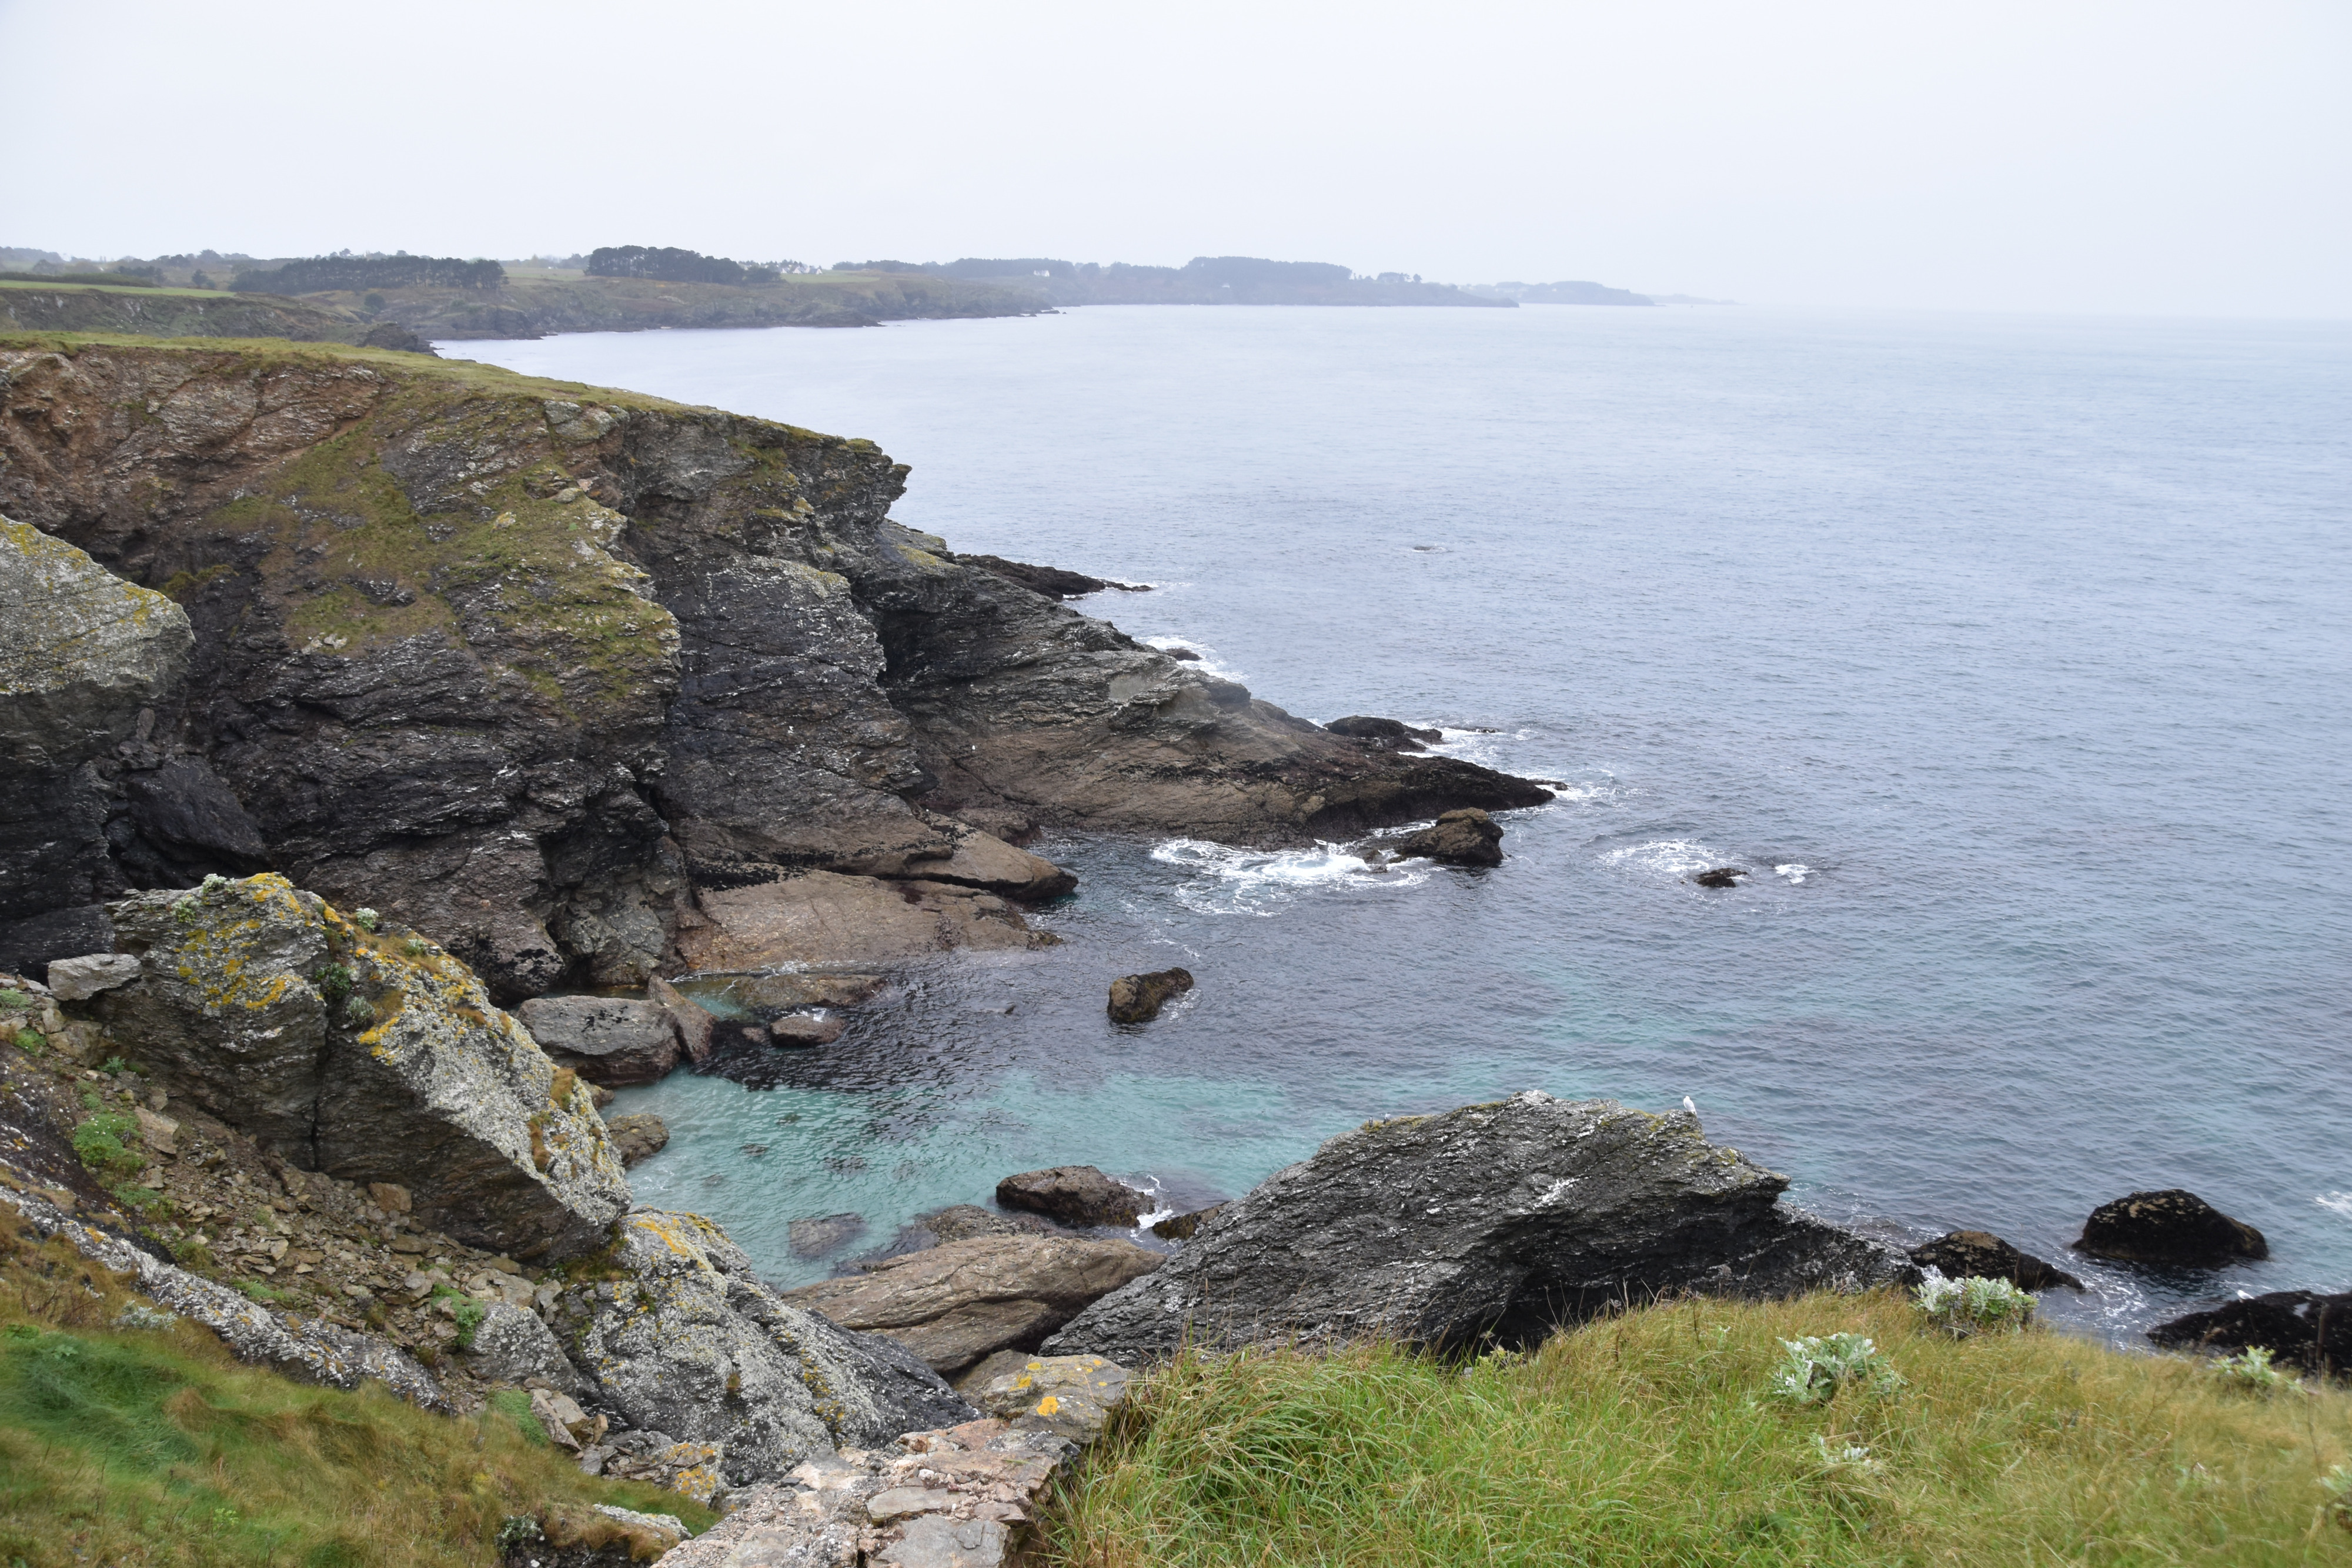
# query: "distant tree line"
[[669, 264], [344, 270]]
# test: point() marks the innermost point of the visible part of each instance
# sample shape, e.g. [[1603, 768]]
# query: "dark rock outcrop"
[[1184, 1227], [1073, 1195], [2306, 1328], [545, 676], [393, 335], [1386, 734], [82, 655], [2168, 1226], [605, 1039], [638, 1138], [1467, 837], [1138, 998], [1504, 1220], [960, 1302], [1959, 1254], [1050, 581], [1721, 876]]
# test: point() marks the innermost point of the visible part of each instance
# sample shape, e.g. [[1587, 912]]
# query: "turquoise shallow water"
[[2018, 646]]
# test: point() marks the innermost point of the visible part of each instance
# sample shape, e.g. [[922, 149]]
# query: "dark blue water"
[[2011, 654]]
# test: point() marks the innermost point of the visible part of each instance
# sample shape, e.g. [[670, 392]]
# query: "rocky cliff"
[[534, 666]]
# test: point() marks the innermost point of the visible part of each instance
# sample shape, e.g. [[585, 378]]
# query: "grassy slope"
[[130, 1446], [1647, 1440], [556, 302]]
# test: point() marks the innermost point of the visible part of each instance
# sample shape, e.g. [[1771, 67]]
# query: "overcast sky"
[[2140, 156]]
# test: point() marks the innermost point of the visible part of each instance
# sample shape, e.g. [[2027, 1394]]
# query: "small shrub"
[[2337, 1484], [137, 1316], [185, 910], [1974, 1305], [191, 1252], [357, 1013], [2250, 1371], [101, 1144], [334, 983], [417, 948], [114, 1067], [214, 883], [1815, 1368], [31, 1041], [518, 1529], [144, 1200], [1847, 1461], [366, 918]]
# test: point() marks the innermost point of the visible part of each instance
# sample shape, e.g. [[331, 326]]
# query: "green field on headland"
[[1653, 1438]]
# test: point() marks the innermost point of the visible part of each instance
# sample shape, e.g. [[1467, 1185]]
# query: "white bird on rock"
[[1688, 1106]]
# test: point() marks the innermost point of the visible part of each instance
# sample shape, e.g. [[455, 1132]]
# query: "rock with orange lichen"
[[683, 1339], [371, 1055]]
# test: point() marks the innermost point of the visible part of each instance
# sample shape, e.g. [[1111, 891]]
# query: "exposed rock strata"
[[528, 668], [372, 1057], [1506, 1219], [955, 1303]]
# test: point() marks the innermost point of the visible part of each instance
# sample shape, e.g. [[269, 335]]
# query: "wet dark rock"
[[638, 1138], [1386, 734], [605, 1039], [1050, 581], [2168, 1226], [1721, 876], [805, 1029], [1962, 1253], [1138, 998], [2309, 1330], [1075, 1195], [1506, 1219], [1467, 837], [1183, 1227], [1183, 655], [815, 1238]]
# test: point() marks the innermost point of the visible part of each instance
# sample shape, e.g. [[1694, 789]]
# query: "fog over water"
[[2011, 653]]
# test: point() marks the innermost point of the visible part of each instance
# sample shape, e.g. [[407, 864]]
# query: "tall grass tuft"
[[1652, 1440]]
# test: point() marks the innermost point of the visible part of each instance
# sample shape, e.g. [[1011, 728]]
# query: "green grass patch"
[[152, 1447], [1656, 1438]]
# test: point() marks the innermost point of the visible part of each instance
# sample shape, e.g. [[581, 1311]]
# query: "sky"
[[2144, 157]]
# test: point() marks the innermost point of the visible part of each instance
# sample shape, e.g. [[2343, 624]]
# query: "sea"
[[2011, 656]]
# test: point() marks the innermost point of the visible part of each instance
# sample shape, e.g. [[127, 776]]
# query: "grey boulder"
[[512, 1345], [79, 979], [1073, 1195], [605, 1039], [689, 1343], [1504, 1220]]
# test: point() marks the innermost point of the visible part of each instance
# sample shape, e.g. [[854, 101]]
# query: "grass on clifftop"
[[1652, 1439], [127, 1445]]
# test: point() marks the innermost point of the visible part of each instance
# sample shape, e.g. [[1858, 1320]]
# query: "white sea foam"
[[1229, 880], [1665, 857], [1794, 872], [2335, 1203], [1208, 664]]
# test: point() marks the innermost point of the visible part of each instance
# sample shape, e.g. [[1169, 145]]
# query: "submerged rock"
[[605, 1039], [638, 1138], [1962, 1253], [1468, 837], [1138, 998], [815, 1238], [371, 1058], [2168, 1226], [1387, 733], [2304, 1328], [1504, 1220], [1073, 1195], [689, 1343], [804, 1029], [955, 1303]]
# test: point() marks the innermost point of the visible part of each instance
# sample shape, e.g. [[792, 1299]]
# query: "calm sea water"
[[2011, 654]]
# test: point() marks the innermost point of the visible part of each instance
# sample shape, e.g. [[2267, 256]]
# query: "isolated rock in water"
[[956, 1302], [689, 1343], [512, 1345], [804, 1029], [1071, 1395], [1962, 1253], [1721, 876], [1184, 1227], [638, 1138], [1508, 1219], [82, 654], [822, 917], [2170, 1226], [1387, 733], [1183, 655], [605, 1039], [79, 979], [1075, 1195], [1467, 837], [347, 1052], [815, 1238], [2312, 1330], [1138, 998]]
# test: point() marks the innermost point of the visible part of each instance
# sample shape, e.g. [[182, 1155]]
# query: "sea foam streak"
[[1230, 880], [2335, 1203]]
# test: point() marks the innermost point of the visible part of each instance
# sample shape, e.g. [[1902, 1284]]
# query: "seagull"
[[1688, 1106]]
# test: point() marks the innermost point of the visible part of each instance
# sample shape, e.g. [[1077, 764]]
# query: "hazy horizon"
[[2132, 159]]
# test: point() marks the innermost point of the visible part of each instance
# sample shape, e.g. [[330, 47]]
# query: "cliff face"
[[171, 313], [528, 664]]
